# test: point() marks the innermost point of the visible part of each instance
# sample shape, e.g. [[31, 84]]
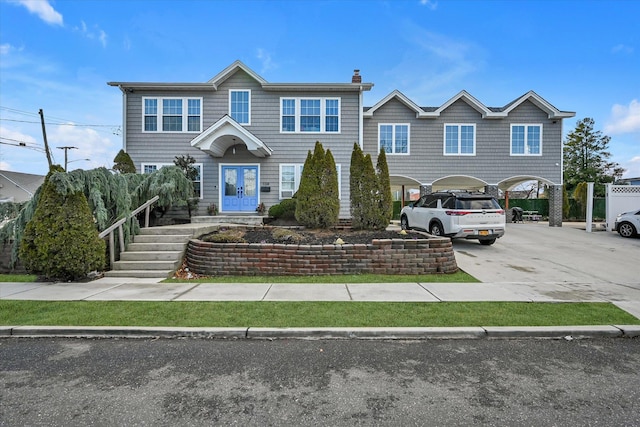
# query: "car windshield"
[[477, 204]]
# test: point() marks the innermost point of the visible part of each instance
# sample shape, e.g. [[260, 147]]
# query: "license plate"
[[483, 232]]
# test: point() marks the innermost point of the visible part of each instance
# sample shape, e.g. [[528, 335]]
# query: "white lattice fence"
[[621, 198]]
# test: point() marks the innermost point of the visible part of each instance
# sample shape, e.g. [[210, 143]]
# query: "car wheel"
[[435, 229], [487, 242], [626, 229], [404, 223]]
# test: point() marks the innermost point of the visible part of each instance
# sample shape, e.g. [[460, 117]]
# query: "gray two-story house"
[[250, 138]]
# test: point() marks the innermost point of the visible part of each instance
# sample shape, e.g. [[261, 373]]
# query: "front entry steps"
[[157, 251], [253, 220]]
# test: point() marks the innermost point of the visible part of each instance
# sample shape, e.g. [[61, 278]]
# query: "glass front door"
[[240, 191]]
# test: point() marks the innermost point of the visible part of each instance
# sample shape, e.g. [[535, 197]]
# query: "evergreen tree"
[[191, 172], [369, 195], [61, 240], [330, 190], [355, 187], [385, 201], [317, 202], [586, 158], [123, 163]]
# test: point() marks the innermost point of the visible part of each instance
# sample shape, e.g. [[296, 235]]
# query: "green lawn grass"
[[307, 314], [457, 277], [18, 277]]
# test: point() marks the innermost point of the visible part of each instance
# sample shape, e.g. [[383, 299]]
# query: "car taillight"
[[500, 212], [457, 213]]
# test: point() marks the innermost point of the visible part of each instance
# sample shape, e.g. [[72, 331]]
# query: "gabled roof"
[[231, 70], [226, 133], [486, 112], [396, 94], [541, 103], [18, 186], [466, 97]]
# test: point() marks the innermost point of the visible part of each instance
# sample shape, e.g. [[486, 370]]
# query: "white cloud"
[[267, 62], [621, 48], [94, 33], [431, 4], [624, 119], [43, 9], [444, 63], [5, 48], [632, 167], [89, 144]]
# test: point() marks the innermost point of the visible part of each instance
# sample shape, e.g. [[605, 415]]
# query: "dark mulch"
[[310, 237]]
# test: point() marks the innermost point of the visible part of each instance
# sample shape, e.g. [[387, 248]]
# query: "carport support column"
[[491, 190], [555, 206], [425, 189]]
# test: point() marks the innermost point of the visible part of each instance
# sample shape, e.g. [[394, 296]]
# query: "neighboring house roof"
[[236, 66], [18, 187], [486, 112], [226, 133]]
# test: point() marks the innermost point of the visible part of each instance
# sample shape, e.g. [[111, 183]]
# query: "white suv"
[[456, 215]]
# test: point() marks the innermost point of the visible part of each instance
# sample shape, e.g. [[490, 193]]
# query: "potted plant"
[[261, 208], [212, 209]]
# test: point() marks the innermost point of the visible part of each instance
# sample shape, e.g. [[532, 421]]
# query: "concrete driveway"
[[561, 262]]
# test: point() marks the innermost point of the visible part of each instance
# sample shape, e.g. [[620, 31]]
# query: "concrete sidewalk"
[[118, 289]]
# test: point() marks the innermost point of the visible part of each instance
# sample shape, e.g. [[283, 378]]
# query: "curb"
[[416, 333]]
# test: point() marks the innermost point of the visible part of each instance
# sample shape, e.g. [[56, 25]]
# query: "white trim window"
[[240, 106], [394, 138], [310, 115], [171, 114], [290, 174], [459, 139], [526, 140], [147, 168]]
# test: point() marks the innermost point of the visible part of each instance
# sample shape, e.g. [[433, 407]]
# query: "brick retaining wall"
[[388, 256]]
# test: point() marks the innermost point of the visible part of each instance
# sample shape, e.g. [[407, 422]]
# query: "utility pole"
[[44, 136], [65, 155]]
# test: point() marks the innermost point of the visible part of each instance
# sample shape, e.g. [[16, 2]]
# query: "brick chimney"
[[357, 78]]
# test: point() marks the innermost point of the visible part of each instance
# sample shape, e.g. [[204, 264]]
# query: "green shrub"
[[61, 240], [318, 203], [123, 163], [286, 209]]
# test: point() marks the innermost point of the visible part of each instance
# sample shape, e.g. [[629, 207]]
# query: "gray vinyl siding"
[[492, 162], [159, 147]]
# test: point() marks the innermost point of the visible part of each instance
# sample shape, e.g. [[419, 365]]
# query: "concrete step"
[[161, 238], [146, 265], [163, 274], [229, 219], [148, 247], [151, 256]]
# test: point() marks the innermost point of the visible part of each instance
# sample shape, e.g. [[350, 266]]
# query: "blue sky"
[[581, 56]]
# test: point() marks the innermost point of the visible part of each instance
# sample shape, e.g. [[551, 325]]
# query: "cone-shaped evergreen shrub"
[[123, 163], [317, 204], [385, 201], [61, 240], [355, 187]]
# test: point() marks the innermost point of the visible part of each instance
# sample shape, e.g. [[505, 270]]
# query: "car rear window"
[[477, 204]]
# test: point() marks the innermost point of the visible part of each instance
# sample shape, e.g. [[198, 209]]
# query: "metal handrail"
[[118, 226]]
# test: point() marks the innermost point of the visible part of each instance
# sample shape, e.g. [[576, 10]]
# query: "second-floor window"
[[240, 106], [459, 140], [318, 115], [526, 140], [172, 114], [394, 138]]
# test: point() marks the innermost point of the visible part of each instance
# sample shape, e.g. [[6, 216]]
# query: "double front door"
[[240, 192]]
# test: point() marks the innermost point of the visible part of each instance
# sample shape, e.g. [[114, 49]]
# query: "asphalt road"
[[80, 382]]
